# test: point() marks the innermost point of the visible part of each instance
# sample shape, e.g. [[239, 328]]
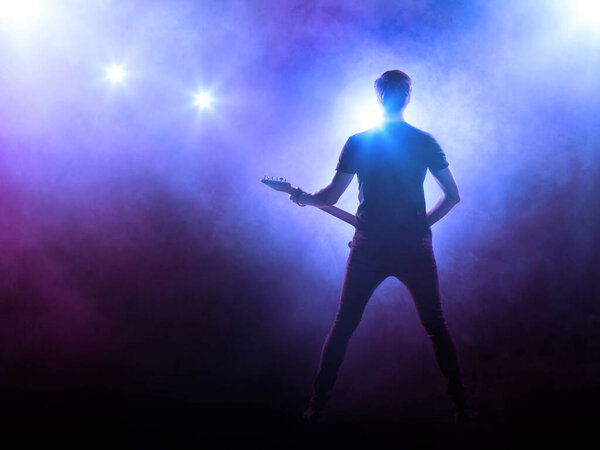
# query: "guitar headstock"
[[278, 183]]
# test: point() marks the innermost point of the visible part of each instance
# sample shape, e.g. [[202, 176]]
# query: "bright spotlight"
[[19, 12], [115, 74], [203, 100], [369, 114], [586, 12]]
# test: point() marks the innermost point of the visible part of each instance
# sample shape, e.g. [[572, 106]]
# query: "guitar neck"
[[340, 214], [283, 186]]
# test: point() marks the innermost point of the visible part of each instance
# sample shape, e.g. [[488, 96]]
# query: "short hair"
[[393, 88]]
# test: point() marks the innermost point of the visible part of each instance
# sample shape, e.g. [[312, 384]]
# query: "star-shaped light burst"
[[203, 100], [115, 74]]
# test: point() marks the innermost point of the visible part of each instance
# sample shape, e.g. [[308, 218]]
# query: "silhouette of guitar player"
[[393, 235]]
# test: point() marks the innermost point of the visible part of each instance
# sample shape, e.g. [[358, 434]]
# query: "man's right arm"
[[329, 195], [445, 180]]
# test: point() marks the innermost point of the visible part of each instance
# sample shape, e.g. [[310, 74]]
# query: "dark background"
[[152, 289]]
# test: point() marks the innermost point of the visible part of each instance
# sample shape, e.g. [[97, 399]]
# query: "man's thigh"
[[419, 275], [361, 278]]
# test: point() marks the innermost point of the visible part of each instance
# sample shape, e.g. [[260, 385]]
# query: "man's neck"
[[394, 117]]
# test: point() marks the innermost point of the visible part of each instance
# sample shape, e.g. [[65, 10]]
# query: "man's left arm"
[[450, 197], [327, 196]]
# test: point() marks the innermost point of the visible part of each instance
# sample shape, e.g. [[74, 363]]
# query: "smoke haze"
[[148, 277]]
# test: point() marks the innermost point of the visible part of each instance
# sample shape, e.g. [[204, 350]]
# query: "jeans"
[[409, 258]]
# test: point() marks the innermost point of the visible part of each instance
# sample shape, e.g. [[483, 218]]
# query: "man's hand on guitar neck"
[[304, 198], [298, 197], [327, 196]]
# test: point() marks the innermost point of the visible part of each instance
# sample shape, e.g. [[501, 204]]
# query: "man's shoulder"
[[417, 132], [364, 135], [383, 130]]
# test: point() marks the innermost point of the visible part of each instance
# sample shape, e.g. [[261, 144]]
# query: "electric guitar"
[[280, 184]]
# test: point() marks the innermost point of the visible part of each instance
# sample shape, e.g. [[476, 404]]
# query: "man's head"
[[393, 91]]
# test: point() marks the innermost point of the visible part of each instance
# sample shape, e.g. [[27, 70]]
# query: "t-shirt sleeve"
[[348, 161], [435, 158]]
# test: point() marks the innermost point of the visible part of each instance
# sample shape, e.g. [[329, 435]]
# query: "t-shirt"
[[391, 162]]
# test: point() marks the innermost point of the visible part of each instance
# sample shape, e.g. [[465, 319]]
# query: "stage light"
[[18, 12], [203, 100], [586, 12], [115, 74], [369, 114]]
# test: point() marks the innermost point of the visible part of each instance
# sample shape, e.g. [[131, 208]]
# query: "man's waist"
[[391, 221]]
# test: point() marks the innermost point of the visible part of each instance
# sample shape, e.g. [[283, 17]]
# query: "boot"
[[463, 413]]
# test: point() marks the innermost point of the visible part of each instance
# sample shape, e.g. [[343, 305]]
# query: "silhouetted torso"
[[391, 162]]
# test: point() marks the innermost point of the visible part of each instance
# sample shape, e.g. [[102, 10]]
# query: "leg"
[[422, 282], [360, 281]]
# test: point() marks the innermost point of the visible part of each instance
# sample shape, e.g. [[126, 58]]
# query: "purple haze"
[[147, 273]]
